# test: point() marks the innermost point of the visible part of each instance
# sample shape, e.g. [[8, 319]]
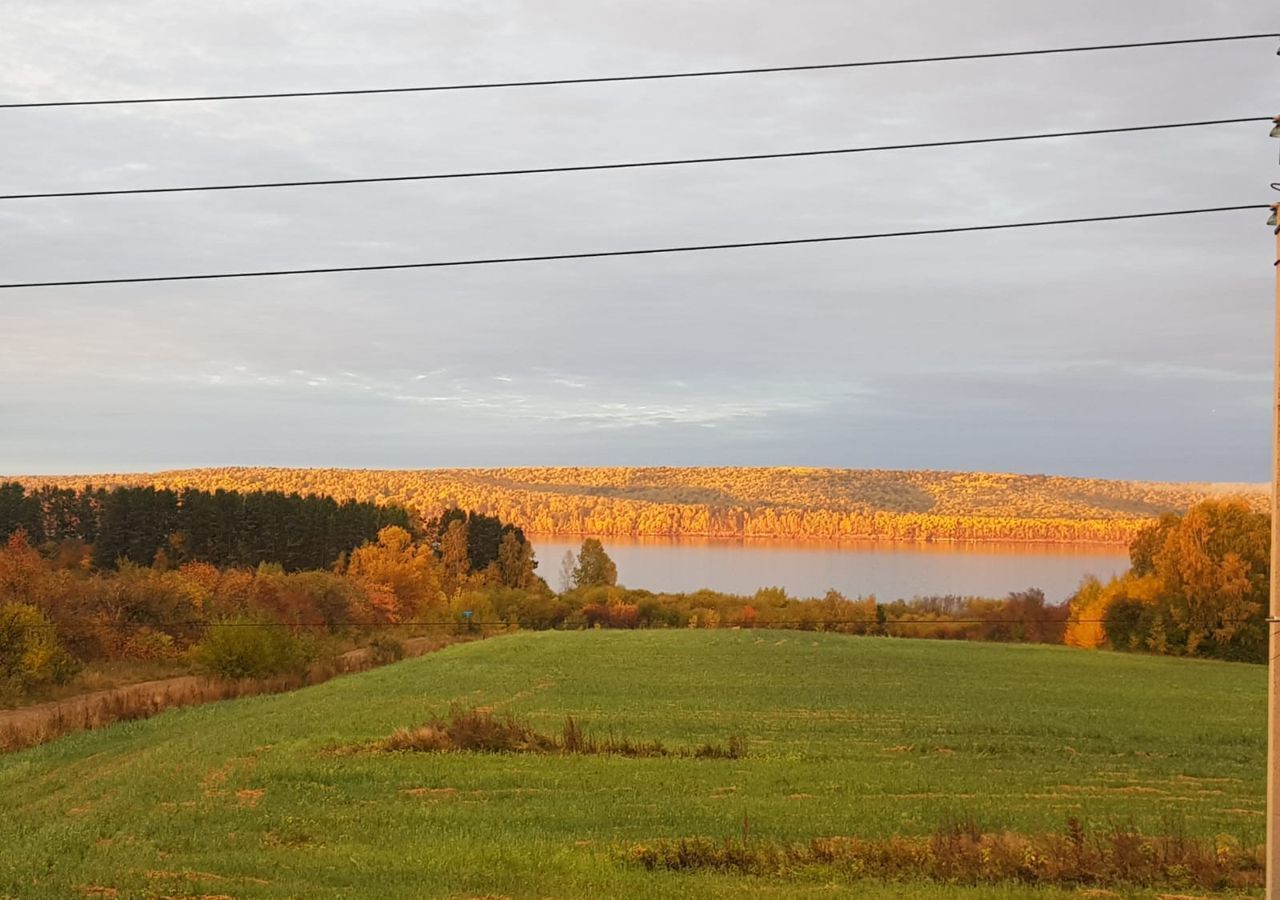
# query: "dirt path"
[[30, 725], [73, 708]]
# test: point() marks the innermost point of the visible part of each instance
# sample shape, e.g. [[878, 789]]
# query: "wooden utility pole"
[[1273, 617]]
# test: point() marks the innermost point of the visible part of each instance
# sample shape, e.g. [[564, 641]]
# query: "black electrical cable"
[[662, 76], [759, 625], [649, 251], [797, 154]]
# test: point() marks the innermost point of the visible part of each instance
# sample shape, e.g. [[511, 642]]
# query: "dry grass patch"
[[190, 875], [249, 797], [432, 792], [962, 853]]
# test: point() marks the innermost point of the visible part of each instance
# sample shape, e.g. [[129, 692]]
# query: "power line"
[[758, 625], [606, 79], [545, 170], [648, 251]]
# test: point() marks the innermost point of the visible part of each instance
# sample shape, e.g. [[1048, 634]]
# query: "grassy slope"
[[847, 736]]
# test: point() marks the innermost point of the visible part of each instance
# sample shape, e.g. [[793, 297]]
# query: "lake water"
[[887, 570]]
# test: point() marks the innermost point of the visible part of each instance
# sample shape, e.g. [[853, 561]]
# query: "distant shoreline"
[[851, 542], [804, 505]]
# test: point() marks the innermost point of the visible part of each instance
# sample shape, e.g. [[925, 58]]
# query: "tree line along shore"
[[737, 503]]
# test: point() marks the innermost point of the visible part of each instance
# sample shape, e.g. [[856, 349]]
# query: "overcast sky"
[[1133, 350]]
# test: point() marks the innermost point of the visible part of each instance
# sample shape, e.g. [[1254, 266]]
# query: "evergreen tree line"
[[484, 536], [148, 526]]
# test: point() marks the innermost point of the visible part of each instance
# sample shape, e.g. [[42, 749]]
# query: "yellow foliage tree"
[[1087, 607], [397, 566]]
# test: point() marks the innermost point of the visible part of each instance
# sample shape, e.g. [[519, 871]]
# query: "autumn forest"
[[788, 503]]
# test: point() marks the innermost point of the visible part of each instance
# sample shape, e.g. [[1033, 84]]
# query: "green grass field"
[[846, 736]]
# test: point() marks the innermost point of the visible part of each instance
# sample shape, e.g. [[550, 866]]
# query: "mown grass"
[[848, 737]]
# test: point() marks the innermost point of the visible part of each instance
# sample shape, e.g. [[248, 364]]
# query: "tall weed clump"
[[479, 730], [961, 852]]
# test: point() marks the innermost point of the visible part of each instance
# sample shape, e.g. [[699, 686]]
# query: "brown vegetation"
[[480, 731], [32, 725], [1019, 617], [818, 504], [63, 621], [962, 853]]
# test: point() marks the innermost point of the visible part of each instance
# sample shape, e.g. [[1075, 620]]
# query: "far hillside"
[[789, 503]]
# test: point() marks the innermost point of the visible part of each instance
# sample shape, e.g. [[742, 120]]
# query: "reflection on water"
[[887, 570]]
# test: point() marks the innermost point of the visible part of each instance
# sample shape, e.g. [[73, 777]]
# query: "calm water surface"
[[887, 570]]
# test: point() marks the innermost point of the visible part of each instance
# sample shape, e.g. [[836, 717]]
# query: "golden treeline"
[[789, 503], [1197, 585]]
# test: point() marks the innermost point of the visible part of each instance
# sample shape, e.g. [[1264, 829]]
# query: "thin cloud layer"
[[1124, 349]]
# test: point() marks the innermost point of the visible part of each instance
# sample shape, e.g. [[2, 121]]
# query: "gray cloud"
[[1128, 349]]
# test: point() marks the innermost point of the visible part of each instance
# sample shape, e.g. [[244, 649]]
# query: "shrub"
[[472, 729], [481, 613], [30, 654], [595, 615], [124, 603], [735, 749], [325, 600], [528, 609], [386, 649], [250, 648], [149, 644]]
